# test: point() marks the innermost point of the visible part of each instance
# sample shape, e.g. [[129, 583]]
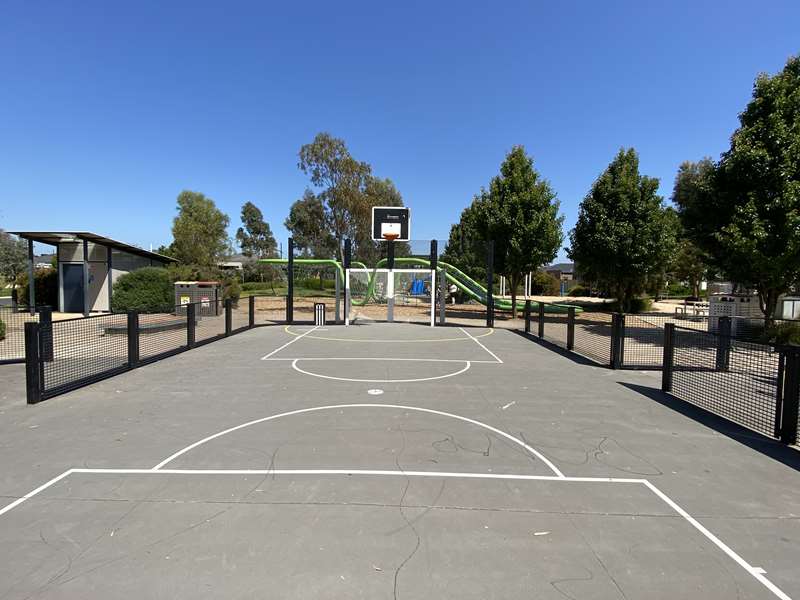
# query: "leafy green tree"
[[623, 235], [200, 230], [308, 226], [341, 180], [692, 193], [757, 185], [255, 236], [520, 213], [689, 264], [13, 257], [466, 245], [693, 190]]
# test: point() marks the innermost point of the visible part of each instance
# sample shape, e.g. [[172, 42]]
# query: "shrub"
[[639, 304], [545, 284], [254, 286], [784, 334], [579, 290], [149, 289], [45, 283], [2, 330]]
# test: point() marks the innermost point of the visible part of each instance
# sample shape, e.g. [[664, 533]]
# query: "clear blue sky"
[[109, 109]]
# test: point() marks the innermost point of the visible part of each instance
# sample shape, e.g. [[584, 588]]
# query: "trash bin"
[[205, 294]]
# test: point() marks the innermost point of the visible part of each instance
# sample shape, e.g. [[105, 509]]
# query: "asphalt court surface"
[[363, 462]]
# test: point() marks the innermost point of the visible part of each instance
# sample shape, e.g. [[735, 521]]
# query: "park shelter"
[[88, 265]]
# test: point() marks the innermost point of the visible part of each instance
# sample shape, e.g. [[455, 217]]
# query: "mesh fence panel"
[[269, 309], [160, 334], [413, 291], [593, 336], [210, 321], [85, 349], [368, 294], [240, 314], [12, 345], [314, 284], [741, 387], [643, 345], [555, 327]]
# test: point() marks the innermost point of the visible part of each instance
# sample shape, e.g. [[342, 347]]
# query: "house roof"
[[56, 237], [563, 267]]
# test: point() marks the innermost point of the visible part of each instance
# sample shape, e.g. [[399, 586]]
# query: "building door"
[[72, 284]]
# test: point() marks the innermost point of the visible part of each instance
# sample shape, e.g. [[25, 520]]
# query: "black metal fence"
[[64, 355], [753, 383]]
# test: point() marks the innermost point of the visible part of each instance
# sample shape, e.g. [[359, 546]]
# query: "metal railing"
[[755, 385], [722, 365], [64, 355]]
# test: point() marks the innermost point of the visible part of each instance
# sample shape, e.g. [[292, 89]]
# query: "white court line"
[[31, 494], [757, 572], [477, 341], [356, 380], [300, 411], [390, 359], [289, 343], [381, 472]]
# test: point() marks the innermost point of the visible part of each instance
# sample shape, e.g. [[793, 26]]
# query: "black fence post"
[[46, 332], [14, 300], [570, 328], [723, 359], [290, 286], [527, 316], [669, 357], [541, 320], [490, 284], [228, 316], [789, 396], [191, 324], [617, 334], [33, 363], [251, 311], [133, 339]]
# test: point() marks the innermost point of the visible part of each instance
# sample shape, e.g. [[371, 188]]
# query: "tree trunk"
[[768, 299], [696, 288]]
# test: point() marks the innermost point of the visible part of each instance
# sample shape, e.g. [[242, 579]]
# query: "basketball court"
[[388, 461]]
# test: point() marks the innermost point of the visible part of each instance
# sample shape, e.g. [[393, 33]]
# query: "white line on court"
[[289, 343], [356, 380], [390, 359], [31, 494], [477, 341], [300, 411], [381, 472], [757, 572]]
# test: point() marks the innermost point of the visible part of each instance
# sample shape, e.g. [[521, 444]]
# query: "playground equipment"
[[474, 290]]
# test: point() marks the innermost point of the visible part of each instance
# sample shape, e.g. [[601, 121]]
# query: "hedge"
[[45, 283], [149, 289]]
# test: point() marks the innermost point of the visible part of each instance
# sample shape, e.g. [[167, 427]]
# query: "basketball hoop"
[[390, 236]]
